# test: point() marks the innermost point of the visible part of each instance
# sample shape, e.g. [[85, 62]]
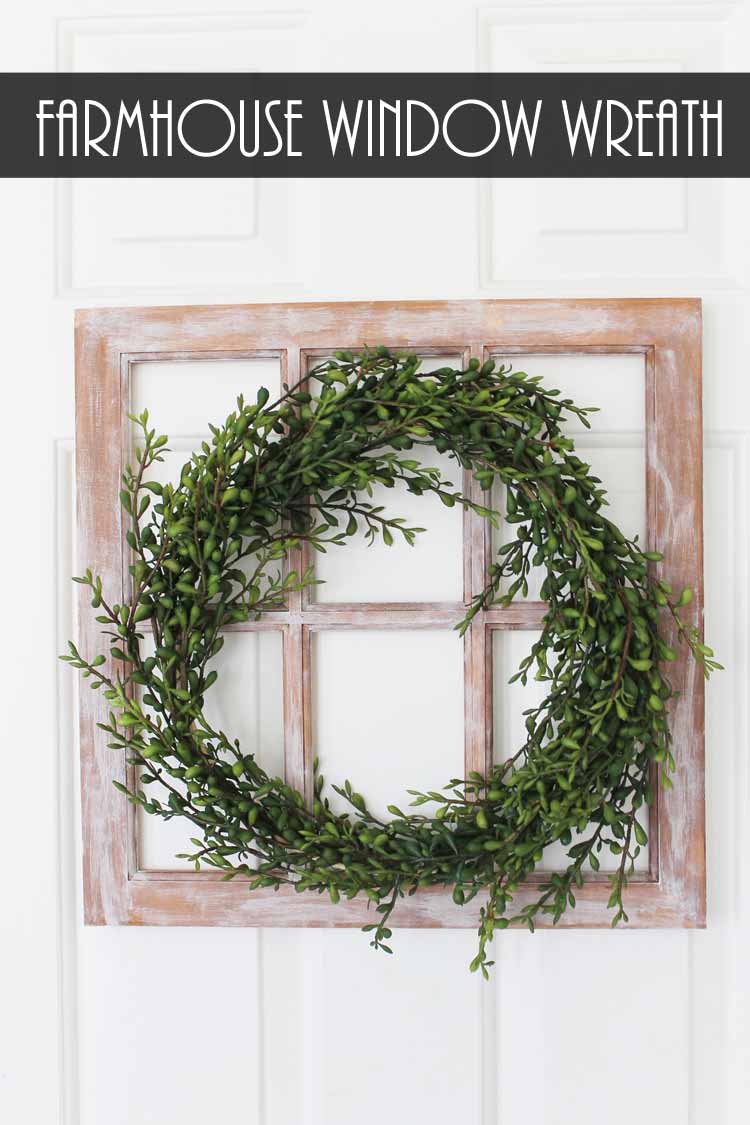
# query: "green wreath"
[[302, 469]]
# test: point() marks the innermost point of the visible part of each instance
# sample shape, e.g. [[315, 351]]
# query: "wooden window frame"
[[667, 332]]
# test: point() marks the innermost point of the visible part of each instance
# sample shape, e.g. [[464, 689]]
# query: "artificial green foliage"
[[209, 552]]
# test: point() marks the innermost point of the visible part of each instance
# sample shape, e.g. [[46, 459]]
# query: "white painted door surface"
[[126, 1026]]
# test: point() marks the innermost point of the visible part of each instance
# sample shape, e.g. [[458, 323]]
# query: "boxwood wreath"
[[209, 552]]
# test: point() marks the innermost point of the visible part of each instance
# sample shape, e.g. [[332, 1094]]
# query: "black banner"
[[378, 125]]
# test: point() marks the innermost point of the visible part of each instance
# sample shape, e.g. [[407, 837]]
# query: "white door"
[[129, 1026]]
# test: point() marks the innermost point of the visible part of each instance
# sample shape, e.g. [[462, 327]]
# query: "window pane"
[[388, 712], [246, 702], [183, 396], [509, 647], [614, 447], [431, 570], [616, 384]]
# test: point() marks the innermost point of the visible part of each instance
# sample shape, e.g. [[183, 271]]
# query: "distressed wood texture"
[[108, 341]]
